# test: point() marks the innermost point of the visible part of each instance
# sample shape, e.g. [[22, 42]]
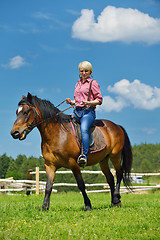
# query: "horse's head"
[[26, 118]]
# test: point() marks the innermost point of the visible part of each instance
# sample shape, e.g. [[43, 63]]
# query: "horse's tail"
[[127, 158]]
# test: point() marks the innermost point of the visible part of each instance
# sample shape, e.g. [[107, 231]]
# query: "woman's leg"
[[86, 122]]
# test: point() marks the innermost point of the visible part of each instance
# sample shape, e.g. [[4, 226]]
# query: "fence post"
[[37, 180], [3, 186], [29, 177]]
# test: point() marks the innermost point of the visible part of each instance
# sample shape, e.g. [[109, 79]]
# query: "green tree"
[[4, 164], [145, 166], [148, 152], [12, 171]]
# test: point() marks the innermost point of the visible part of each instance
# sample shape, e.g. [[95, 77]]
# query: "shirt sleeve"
[[75, 90], [96, 91]]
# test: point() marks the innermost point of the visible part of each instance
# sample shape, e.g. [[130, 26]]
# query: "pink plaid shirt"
[[82, 91]]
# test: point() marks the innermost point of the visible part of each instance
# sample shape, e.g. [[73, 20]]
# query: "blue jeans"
[[86, 117]]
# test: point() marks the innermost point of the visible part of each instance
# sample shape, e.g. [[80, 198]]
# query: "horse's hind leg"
[[119, 174], [109, 177], [78, 176]]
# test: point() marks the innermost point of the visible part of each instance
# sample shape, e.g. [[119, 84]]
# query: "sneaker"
[[82, 160]]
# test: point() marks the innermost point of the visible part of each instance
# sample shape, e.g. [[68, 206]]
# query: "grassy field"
[[138, 218]]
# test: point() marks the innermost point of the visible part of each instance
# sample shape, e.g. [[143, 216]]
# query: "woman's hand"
[[69, 101], [87, 103], [91, 103]]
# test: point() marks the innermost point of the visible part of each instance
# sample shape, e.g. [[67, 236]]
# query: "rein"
[[64, 109], [30, 127]]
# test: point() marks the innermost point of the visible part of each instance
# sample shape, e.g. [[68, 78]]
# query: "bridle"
[[30, 127]]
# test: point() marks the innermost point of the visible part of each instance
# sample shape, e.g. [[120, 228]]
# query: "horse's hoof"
[[116, 204], [88, 208], [44, 208]]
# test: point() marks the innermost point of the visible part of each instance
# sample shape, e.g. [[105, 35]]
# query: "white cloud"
[[117, 24], [15, 63], [41, 15], [49, 48], [40, 90], [51, 18], [149, 131], [56, 90], [110, 104], [136, 94], [73, 12]]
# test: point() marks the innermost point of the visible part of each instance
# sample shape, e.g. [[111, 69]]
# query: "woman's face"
[[84, 73]]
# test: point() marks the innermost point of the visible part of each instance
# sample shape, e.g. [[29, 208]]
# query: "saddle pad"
[[99, 139]]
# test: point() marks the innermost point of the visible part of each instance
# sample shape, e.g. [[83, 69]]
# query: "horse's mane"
[[47, 109]]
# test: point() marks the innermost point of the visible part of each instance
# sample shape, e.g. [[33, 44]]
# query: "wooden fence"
[[11, 185]]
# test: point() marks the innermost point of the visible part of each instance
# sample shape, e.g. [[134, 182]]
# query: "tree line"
[[146, 158]]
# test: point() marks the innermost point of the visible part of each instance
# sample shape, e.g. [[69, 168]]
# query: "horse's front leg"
[[50, 171], [81, 185]]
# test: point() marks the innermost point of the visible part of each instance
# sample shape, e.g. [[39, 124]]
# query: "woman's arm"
[[92, 103]]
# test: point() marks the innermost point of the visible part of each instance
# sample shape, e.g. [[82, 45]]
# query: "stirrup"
[[82, 160]]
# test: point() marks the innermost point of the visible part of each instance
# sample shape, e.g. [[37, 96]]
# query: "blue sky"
[[42, 43]]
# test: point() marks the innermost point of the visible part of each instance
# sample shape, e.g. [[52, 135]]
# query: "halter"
[[30, 127]]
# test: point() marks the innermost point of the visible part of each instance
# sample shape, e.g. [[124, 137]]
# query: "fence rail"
[[99, 172], [11, 185]]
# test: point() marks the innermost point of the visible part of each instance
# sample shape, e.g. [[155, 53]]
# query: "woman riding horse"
[[86, 96], [60, 148]]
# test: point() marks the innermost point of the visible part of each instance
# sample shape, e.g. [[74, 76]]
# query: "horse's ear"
[[29, 97], [22, 98]]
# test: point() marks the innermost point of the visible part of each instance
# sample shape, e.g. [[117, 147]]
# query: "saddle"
[[97, 141]]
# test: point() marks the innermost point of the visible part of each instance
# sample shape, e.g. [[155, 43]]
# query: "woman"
[[86, 96]]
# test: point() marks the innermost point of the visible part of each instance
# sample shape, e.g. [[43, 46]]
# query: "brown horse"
[[60, 149]]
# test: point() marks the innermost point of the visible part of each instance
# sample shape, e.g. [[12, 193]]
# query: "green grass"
[[138, 218]]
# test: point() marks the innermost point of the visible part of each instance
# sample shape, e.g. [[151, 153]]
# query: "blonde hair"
[[85, 65]]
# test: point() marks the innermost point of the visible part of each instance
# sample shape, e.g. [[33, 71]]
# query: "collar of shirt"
[[88, 80]]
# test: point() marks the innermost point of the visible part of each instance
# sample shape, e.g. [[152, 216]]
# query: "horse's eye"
[[26, 112]]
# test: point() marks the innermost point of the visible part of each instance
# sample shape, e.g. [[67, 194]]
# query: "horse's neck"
[[54, 138], [48, 129], [53, 133]]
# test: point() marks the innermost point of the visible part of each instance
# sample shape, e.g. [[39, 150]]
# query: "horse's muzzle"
[[17, 135]]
